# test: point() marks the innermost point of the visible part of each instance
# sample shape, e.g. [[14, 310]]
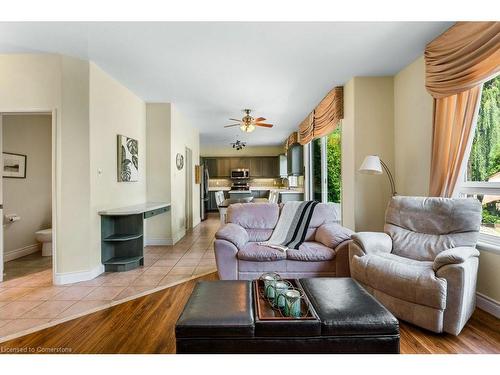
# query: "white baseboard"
[[178, 236], [488, 304], [23, 251], [74, 277], [158, 242]]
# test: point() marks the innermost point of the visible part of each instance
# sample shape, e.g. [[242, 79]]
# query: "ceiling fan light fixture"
[[247, 128]]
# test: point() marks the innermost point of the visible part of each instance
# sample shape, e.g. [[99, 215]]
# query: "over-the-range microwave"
[[240, 173]]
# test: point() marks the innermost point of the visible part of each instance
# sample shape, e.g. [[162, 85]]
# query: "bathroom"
[[27, 195]]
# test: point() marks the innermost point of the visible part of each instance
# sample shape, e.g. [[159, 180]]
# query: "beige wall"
[[207, 150], [412, 130], [30, 198], [113, 110], [73, 250], [183, 135], [488, 282], [348, 160], [370, 117], [52, 82], [158, 129]]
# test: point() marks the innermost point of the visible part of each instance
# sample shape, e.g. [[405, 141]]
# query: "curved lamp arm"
[[391, 179]]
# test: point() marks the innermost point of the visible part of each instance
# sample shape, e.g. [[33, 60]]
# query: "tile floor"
[[26, 265], [31, 300]]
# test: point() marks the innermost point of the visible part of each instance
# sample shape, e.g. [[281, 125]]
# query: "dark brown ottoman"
[[220, 318]]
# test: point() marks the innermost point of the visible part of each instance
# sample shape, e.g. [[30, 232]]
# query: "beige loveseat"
[[424, 267]]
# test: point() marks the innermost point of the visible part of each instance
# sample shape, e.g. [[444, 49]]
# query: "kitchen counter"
[[259, 188]]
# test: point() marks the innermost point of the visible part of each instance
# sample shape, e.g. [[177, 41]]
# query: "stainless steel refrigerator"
[[204, 191]]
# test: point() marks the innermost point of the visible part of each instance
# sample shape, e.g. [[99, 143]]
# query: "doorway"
[[26, 192], [189, 188]]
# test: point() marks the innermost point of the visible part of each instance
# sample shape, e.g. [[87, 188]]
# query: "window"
[[325, 157], [482, 172]]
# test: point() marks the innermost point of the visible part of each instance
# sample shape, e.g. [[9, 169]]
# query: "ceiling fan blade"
[[259, 119], [228, 126], [264, 125], [233, 119]]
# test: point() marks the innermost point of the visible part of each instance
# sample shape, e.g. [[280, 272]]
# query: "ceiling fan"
[[248, 123], [238, 145]]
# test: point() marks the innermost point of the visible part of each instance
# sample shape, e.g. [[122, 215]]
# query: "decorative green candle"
[[279, 289], [292, 303]]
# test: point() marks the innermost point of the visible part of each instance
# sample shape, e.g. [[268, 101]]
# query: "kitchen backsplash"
[[267, 182], [226, 182]]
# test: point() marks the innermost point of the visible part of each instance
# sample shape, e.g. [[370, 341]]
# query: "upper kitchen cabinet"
[[283, 164], [295, 160], [223, 167], [270, 167], [240, 163], [211, 165], [255, 167]]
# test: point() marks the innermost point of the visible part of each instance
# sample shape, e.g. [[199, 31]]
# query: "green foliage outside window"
[[333, 159], [484, 159]]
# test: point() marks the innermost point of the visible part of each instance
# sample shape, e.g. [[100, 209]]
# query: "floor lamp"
[[374, 165]]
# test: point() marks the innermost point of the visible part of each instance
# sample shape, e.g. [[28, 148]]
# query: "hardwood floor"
[[146, 325]]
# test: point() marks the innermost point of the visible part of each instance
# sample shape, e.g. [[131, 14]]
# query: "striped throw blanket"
[[292, 225]]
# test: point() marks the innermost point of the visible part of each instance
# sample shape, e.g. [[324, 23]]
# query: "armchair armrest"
[[332, 235], [455, 255], [233, 233], [373, 242]]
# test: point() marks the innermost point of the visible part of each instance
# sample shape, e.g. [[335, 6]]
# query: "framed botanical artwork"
[[128, 159], [14, 165]]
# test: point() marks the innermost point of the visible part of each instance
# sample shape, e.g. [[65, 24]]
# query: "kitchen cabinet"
[[211, 165], [223, 167], [289, 196], [259, 166], [260, 193], [212, 203], [240, 163], [270, 167], [255, 167], [283, 171], [295, 160]]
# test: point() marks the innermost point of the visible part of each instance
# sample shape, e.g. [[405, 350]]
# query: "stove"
[[240, 185]]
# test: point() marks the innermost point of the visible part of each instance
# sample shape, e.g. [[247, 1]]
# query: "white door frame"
[[53, 113]]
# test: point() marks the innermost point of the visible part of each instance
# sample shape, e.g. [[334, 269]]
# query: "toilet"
[[45, 237]]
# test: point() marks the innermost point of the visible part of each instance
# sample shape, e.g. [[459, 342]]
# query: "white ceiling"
[[211, 71]]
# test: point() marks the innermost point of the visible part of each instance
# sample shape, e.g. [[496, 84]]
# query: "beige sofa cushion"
[[410, 280]]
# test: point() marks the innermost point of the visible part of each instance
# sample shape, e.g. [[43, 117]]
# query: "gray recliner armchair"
[[424, 267]]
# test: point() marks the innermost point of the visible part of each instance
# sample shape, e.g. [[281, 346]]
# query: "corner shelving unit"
[[122, 235]]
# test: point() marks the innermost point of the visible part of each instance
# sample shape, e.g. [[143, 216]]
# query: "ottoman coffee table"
[[220, 317]]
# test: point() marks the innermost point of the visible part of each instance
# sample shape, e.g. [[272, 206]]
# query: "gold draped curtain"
[[292, 138], [324, 118], [457, 63]]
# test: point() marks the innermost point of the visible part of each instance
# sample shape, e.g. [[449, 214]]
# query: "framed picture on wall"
[[128, 159], [14, 165]]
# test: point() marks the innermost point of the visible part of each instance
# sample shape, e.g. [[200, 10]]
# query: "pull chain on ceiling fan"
[[247, 124]]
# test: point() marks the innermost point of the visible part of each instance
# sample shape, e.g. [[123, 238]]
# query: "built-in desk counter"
[[122, 235]]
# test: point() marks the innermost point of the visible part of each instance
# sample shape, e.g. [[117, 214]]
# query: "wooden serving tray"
[[265, 311]]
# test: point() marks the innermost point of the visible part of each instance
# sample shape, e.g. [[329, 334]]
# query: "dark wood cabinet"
[[259, 166], [211, 165], [270, 167], [223, 167], [240, 163], [255, 167], [212, 203]]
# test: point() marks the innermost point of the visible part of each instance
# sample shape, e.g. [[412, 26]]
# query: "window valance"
[[464, 56], [324, 118]]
